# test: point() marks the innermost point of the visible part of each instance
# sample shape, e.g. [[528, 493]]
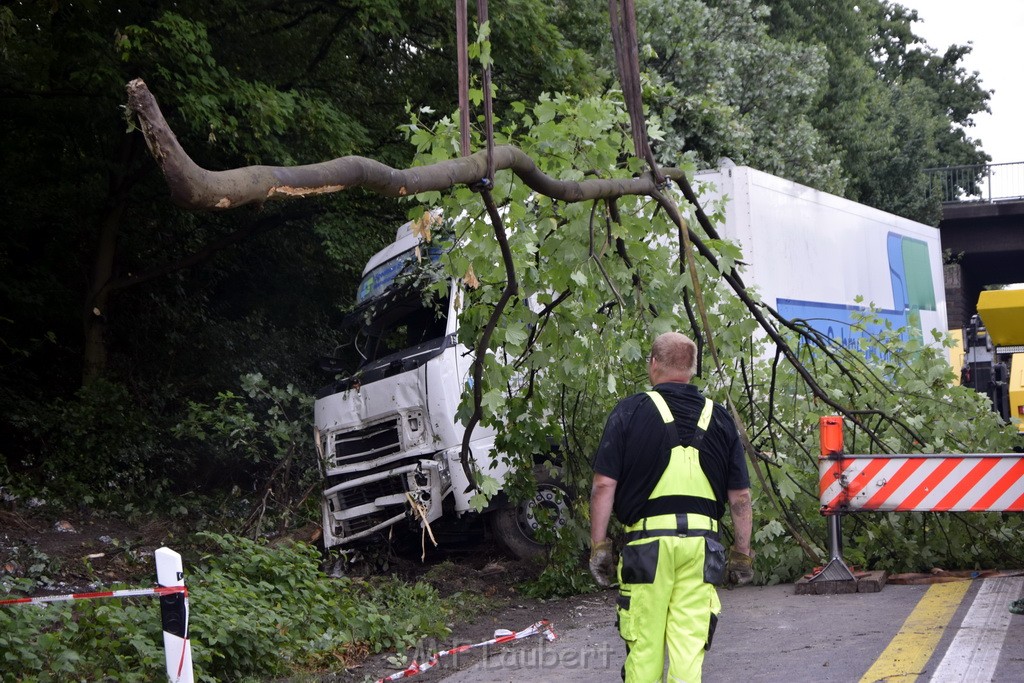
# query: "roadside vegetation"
[[258, 610]]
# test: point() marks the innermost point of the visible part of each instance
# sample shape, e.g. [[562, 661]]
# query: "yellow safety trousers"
[[670, 610], [667, 599]]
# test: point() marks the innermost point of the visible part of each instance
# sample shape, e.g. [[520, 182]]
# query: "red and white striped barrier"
[[927, 482], [919, 482], [173, 610], [542, 627], [923, 483]]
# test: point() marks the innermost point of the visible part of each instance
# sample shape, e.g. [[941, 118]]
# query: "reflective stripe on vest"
[[683, 476]]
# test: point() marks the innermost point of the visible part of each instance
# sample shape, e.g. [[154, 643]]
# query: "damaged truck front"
[[387, 434]]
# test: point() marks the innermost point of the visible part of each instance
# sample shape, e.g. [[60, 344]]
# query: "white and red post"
[[173, 611], [174, 616]]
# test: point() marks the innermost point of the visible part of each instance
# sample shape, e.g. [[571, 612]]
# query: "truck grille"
[[361, 524], [367, 493], [376, 441], [362, 495]]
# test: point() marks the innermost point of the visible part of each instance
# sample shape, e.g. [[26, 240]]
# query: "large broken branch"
[[198, 189]]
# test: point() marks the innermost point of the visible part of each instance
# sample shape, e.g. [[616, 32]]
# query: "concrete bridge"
[[982, 231]]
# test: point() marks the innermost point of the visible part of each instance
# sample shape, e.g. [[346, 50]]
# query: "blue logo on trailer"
[[912, 291]]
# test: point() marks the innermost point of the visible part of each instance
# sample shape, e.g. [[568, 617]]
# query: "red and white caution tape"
[[127, 593], [542, 627]]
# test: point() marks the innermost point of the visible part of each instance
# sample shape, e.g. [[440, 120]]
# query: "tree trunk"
[[95, 310]]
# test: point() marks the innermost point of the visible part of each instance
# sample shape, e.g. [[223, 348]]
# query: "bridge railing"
[[977, 182]]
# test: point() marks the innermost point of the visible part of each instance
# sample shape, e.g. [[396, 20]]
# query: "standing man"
[[668, 461]]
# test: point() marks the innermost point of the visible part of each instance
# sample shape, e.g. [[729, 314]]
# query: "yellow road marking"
[[909, 651]]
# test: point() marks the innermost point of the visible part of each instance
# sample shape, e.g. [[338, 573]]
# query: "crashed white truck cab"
[[388, 435]]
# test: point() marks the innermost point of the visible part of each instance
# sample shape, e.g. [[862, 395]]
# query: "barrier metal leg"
[[174, 615], [830, 428], [836, 569]]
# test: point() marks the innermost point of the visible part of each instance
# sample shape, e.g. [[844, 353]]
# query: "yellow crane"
[[997, 360]]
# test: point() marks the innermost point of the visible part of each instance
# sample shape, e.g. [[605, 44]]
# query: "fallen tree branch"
[[198, 189], [510, 290]]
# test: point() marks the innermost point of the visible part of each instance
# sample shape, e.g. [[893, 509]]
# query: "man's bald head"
[[674, 358]]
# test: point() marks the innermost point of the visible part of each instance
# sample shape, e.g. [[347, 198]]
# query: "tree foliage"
[[725, 87], [102, 278], [903, 387], [892, 105]]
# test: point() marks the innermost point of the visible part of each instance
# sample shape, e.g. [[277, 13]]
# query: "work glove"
[[739, 568], [602, 563]]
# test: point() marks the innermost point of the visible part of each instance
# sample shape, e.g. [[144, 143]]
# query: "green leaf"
[[516, 334], [493, 400]]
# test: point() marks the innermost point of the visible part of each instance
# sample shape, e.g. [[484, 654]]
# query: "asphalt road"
[[940, 633]]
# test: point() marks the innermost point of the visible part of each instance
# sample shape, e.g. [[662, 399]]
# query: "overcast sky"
[[996, 29]]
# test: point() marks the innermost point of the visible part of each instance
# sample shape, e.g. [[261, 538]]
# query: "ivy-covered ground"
[[458, 595]]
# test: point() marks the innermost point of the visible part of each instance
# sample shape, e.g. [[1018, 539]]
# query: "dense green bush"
[[256, 610], [259, 439], [97, 446]]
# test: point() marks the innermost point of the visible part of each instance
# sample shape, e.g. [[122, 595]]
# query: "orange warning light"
[[831, 430]]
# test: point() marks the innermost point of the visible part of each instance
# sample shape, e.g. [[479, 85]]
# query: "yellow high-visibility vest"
[[683, 476]]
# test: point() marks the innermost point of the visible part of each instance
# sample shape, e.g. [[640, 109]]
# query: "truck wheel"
[[516, 526]]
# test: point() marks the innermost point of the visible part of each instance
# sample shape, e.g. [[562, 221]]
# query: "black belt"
[[680, 528], [678, 533]]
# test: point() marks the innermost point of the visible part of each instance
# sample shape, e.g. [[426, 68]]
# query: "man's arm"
[[602, 496], [742, 519]]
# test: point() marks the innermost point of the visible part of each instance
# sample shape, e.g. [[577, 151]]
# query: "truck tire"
[[515, 527]]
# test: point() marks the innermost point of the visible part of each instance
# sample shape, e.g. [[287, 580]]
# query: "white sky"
[[995, 28]]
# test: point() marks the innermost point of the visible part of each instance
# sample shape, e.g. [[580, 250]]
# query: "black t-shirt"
[[636, 444]]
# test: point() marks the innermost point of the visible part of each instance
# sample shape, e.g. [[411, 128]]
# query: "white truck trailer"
[[811, 254], [389, 437]]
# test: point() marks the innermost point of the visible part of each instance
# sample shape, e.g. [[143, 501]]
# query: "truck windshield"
[[403, 322]]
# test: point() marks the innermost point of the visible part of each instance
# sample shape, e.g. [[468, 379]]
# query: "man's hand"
[[739, 569], [602, 563]]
